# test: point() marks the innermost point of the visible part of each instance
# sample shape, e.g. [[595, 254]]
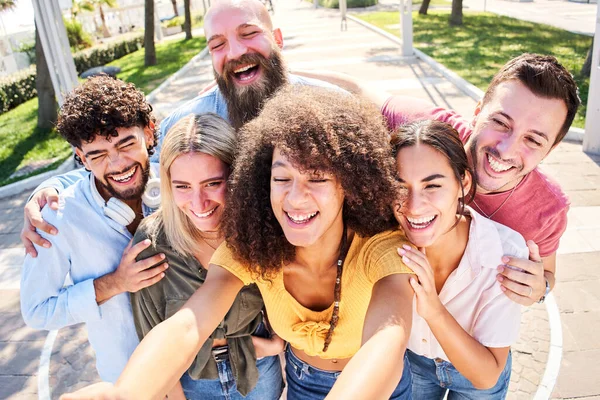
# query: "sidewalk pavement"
[[313, 40], [577, 17]]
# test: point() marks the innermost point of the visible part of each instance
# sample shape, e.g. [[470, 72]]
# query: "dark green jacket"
[[158, 302]]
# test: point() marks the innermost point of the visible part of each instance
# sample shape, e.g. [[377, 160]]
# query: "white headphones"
[[120, 212]]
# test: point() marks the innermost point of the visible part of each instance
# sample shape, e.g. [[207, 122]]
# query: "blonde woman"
[[194, 168]]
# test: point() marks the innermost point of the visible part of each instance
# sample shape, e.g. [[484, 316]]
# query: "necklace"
[[337, 291], [501, 204], [208, 244]]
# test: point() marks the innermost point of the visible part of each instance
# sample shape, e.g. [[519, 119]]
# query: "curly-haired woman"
[[194, 166], [306, 220]]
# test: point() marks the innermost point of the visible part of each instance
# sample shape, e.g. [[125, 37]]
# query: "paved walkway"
[[313, 40]]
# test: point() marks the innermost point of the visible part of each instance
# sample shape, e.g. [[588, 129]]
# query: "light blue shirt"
[[88, 246]]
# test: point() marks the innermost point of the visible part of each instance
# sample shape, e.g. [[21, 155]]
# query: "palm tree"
[[149, 49], [77, 6], [456, 16], [7, 5], [187, 26], [91, 5]]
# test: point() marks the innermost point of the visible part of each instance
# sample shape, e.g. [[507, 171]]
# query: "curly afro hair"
[[317, 129], [99, 106]]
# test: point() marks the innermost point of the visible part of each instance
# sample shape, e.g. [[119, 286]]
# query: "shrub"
[[100, 55], [175, 21], [78, 38], [19, 87], [349, 3]]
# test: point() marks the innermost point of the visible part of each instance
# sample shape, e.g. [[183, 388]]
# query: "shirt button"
[[424, 340]]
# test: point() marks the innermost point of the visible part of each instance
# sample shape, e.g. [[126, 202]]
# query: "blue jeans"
[[268, 387], [306, 382], [432, 377]]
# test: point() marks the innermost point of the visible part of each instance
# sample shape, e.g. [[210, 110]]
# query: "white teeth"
[[204, 215], [125, 176], [497, 166], [420, 221], [299, 218], [246, 68]]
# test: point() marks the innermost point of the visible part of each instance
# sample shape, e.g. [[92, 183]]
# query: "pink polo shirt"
[[537, 209], [471, 293]]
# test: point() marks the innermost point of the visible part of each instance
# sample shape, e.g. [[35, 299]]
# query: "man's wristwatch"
[[541, 300]]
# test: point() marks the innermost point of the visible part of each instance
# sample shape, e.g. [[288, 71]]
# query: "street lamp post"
[[407, 27], [591, 140], [53, 36]]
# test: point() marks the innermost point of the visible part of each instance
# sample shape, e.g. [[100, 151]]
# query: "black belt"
[[220, 353]]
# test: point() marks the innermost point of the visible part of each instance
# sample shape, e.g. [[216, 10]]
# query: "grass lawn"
[[476, 50], [21, 142]]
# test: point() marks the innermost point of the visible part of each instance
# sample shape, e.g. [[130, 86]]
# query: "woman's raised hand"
[[428, 301]]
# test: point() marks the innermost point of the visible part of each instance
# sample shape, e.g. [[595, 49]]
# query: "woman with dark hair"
[[307, 220], [464, 324]]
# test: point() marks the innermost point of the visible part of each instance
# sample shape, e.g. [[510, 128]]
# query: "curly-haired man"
[[112, 129]]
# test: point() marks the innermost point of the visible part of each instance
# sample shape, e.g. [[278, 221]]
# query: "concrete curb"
[[574, 134], [34, 181]]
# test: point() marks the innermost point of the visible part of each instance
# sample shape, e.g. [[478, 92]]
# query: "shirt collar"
[[484, 245]]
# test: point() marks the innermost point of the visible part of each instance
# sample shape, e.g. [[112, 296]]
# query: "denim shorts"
[[431, 378], [268, 387], [306, 382]]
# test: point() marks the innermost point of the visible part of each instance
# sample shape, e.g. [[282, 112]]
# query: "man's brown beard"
[[134, 193], [245, 103]]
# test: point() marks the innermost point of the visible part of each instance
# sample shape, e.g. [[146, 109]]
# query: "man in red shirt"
[[525, 112]]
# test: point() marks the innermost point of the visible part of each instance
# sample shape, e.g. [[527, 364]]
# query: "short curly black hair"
[[99, 106], [317, 129]]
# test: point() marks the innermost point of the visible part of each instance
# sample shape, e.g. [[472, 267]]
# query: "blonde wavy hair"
[[206, 133]]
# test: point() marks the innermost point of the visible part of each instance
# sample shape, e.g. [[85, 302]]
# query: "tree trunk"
[[456, 18], [47, 105], [187, 26], [105, 31], [424, 7], [149, 49], [203, 7], [175, 7], [586, 70]]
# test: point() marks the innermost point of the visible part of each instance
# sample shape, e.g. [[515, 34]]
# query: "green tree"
[[456, 16], [47, 104], [187, 25], [48, 107], [149, 48], [424, 7], [91, 5], [586, 69], [7, 5]]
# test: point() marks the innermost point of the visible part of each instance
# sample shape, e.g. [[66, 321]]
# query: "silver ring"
[[530, 291]]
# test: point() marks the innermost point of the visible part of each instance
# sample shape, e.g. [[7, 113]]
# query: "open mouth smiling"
[[245, 72], [205, 214], [301, 218], [125, 177], [498, 166], [422, 222]]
